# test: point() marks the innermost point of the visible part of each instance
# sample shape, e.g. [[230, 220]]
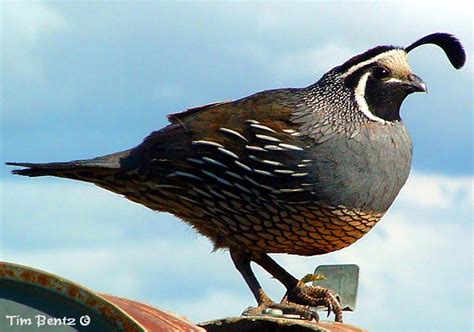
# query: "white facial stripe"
[[394, 80], [360, 99], [376, 58]]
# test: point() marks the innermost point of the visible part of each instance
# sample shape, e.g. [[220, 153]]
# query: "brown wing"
[[250, 141], [176, 117], [270, 108]]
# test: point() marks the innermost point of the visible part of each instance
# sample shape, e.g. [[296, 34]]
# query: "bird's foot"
[[283, 309], [314, 296]]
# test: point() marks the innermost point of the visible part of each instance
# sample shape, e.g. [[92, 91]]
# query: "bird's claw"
[[283, 309], [314, 296]]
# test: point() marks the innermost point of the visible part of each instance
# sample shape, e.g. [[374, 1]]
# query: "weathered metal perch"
[[31, 299]]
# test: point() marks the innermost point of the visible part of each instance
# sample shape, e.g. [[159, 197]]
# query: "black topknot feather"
[[450, 45]]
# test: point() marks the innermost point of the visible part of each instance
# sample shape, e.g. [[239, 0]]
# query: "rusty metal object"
[[27, 294], [151, 318], [271, 324]]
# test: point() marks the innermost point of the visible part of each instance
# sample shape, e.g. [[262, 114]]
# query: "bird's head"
[[380, 78]]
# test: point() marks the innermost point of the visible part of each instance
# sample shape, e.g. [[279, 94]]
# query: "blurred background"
[[84, 79]]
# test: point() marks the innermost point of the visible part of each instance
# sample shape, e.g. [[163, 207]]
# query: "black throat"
[[384, 99]]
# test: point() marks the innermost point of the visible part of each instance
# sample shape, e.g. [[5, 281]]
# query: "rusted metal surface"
[[71, 291], [127, 315], [340, 327], [118, 314], [272, 324], [151, 318]]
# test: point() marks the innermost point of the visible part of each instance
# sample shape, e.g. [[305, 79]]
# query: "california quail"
[[303, 171]]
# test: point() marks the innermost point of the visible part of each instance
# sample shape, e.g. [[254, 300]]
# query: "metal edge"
[[69, 289], [152, 318]]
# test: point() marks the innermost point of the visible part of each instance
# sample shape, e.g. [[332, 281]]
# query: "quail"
[[303, 171]]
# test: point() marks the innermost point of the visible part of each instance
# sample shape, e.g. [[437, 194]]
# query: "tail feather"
[[85, 170], [43, 169]]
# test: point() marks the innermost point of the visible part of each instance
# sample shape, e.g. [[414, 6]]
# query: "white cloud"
[[411, 269], [314, 60], [301, 64], [31, 20], [24, 25], [356, 19], [333, 32], [215, 304], [437, 191], [416, 264]]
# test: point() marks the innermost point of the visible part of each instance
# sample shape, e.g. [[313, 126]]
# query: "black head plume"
[[451, 46]]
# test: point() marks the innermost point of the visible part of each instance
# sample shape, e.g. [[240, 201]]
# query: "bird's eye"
[[381, 73]]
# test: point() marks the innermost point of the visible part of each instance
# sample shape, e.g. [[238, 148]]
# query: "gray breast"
[[365, 172]]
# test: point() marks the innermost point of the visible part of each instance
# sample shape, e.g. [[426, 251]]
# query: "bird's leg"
[[298, 295], [242, 263]]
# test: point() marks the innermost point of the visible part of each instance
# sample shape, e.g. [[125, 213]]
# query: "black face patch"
[[384, 98]]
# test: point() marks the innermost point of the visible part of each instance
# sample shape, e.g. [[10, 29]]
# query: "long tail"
[[88, 170]]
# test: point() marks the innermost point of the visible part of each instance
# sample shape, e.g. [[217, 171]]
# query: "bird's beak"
[[415, 84]]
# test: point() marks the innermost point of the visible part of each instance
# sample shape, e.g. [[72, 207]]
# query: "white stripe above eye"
[[394, 80], [394, 52], [360, 99]]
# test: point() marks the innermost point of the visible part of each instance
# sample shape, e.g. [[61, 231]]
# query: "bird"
[[304, 171]]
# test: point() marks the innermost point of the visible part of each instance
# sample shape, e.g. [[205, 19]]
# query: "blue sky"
[[85, 79]]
